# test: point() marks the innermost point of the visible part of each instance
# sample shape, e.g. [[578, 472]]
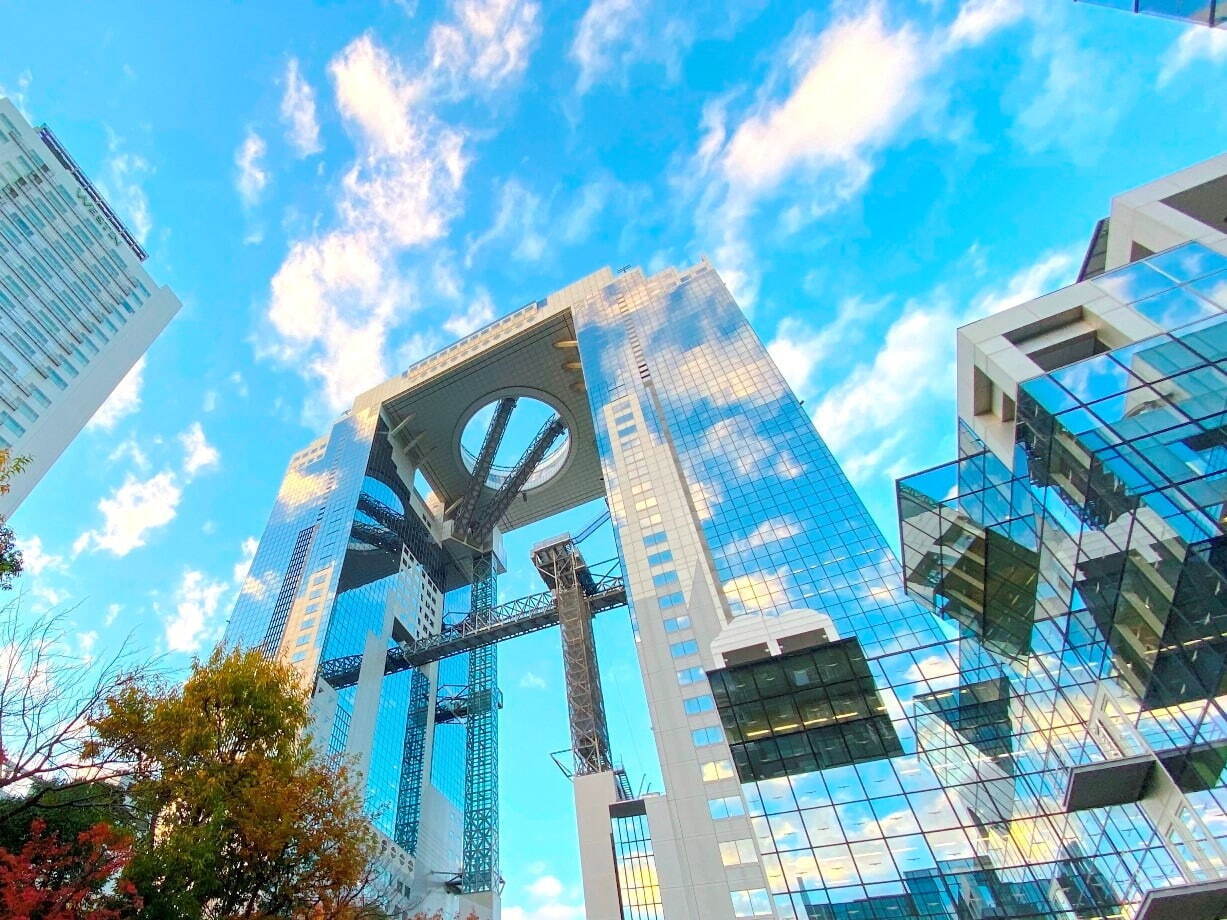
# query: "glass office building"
[[829, 745], [1075, 548], [77, 308]]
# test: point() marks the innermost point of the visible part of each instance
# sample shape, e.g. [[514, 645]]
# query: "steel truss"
[[479, 871], [563, 569], [602, 584], [482, 524], [409, 799], [485, 460]]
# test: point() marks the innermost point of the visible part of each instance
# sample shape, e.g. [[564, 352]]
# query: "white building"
[[77, 308]]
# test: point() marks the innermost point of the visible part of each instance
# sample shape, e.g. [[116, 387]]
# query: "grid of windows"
[[635, 864], [847, 794], [71, 282]]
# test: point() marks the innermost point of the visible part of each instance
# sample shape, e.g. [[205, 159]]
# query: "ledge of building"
[[1111, 782], [1203, 901]]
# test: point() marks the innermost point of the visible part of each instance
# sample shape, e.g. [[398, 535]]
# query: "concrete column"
[[594, 793]]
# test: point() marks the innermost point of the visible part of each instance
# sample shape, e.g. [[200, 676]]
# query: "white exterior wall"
[[994, 353], [44, 327]]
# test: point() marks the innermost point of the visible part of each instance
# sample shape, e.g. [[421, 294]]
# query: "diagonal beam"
[[485, 460], [490, 515]]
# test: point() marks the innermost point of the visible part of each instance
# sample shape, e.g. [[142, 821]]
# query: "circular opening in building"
[[528, 418]]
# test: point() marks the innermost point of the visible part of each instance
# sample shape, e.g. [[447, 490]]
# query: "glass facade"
[[830, 746], [1085, 582], [635, 863], [848, 816]]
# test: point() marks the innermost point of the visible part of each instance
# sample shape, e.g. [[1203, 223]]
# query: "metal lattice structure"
[[485, 460], [409, 801], [484, 520], [603, 587], [563, 569], [480, 867]]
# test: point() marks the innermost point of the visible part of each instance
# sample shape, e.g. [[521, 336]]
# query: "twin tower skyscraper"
[[1022, 720], [1015, 731]]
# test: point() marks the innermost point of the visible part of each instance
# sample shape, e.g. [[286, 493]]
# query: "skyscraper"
[[830, 747], [77, 308]]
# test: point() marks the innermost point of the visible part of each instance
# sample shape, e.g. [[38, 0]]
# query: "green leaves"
[[243, 819]]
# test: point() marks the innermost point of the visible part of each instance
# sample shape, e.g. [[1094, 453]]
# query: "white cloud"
[[338, 294], [605, 25], [531, 681], [121, 187], [197, 602], [832, 100], [549, 900], [488, 41], [85, 644], [518, 222], [35, 560], [113, 611], [547, 886], [798, 348], [1196, 43], [298, 112], [243, 566], [198, 453], [251, 177], [131, 512], [124, 400], [978, 19], [576, 224], [1057, 107], [130, 449], [17, 94], [479, 313], [878, 402], [615, 35], [853, 86], [555, 911]]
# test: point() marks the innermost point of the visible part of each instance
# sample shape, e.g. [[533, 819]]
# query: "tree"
[[63, 808], [48, 696], [10, 555], [239, 816], [48, 879]]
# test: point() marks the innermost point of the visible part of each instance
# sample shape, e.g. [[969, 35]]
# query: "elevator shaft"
[[562, 567]]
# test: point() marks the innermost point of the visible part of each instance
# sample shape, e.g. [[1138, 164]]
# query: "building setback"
[[830, 747], [77, 308]]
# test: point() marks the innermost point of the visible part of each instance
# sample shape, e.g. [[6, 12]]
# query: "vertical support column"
[[563, 570], [409, 798], [481, 747], [585, 703]]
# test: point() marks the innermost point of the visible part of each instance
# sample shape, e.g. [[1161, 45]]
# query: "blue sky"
[[336, 189]]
